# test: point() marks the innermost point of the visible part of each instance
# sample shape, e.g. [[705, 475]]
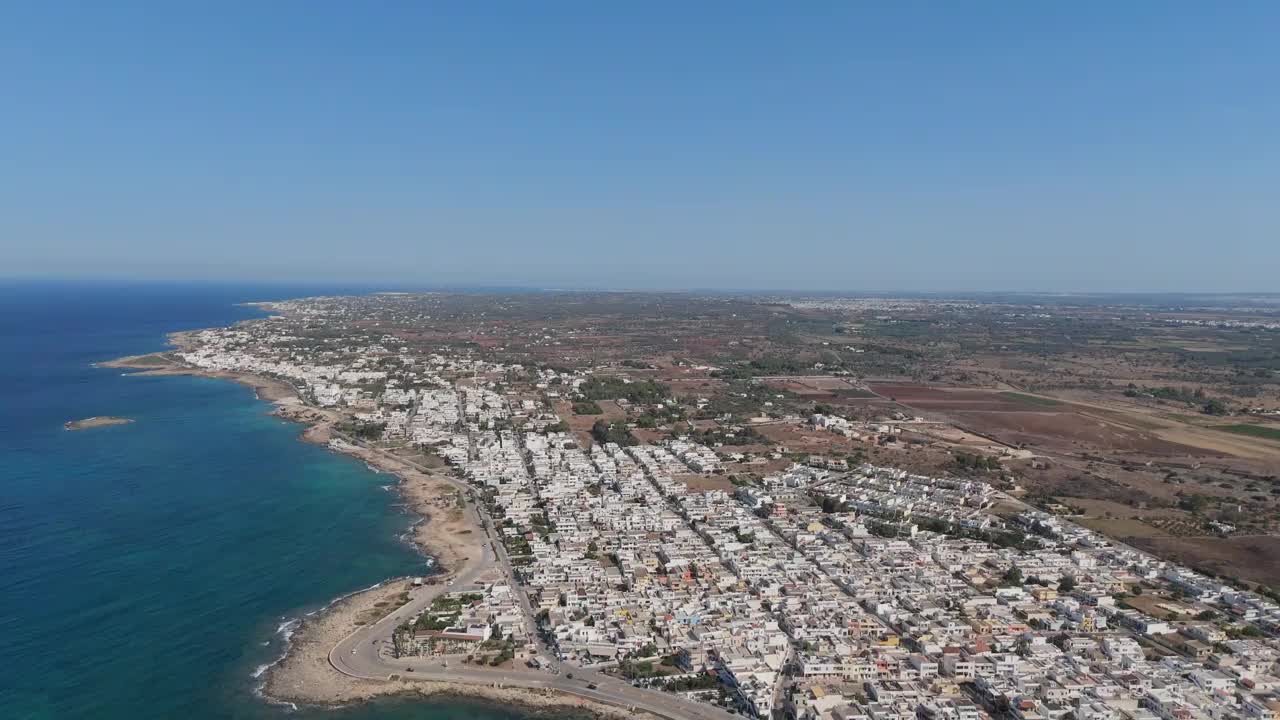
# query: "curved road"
[[361, 654]]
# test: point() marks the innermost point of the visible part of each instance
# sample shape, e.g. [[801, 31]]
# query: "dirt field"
[[1252, 558], [1059, 426], [798, 438], [1124, 528], [682, 386], [580, 425], [1161, 607], [1099, 508], [819, 387], [703, 483], [1212, 441], [1069, 432], [950, 399], [652, 437]]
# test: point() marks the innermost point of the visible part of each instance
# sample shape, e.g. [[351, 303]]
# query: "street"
[[358, 654]]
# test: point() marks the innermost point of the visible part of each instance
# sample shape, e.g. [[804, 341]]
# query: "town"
[[778, 582]]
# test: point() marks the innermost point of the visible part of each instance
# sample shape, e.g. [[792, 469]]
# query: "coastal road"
[[359, 654], [608, 690]]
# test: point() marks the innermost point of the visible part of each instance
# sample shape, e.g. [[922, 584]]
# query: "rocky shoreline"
[[304, 674]]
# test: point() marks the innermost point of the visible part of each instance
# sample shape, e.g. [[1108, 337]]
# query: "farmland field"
[[927, 397], [819, 387], [1260, 431], [1031, 399]]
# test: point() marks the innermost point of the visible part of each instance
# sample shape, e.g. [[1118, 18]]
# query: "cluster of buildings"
[[465, 622], [871, 594]]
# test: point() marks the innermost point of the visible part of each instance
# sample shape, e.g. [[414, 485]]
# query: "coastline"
[[446, 533], [304, 676]]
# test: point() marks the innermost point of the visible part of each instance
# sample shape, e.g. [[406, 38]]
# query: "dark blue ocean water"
[[145, 569]]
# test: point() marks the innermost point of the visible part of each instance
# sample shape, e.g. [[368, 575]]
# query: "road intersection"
[[366, 653]]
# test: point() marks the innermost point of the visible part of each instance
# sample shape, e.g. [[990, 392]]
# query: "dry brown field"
[[706, 483], [925, 397], [1252, 558]]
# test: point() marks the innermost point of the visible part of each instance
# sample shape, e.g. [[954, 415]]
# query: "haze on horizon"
[[908, 146]]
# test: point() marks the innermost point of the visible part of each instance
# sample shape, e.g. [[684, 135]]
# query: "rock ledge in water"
[[93, 422]]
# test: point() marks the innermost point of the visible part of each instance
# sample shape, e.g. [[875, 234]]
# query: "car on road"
[[568, 676], [592, 686]]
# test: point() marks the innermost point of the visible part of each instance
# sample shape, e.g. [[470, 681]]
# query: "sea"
[[154, 570]]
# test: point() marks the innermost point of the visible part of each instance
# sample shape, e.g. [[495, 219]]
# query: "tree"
[[1012, 576], [1214, 407], [1066, 584], [1194, 503], [615, 432], [587, 407]]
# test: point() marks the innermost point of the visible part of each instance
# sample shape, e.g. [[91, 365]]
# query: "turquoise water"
[[149, 570]]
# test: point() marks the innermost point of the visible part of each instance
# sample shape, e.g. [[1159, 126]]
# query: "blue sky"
[[881, 146]]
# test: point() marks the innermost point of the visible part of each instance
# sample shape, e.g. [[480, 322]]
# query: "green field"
[[1260, 431], [1030, 399]]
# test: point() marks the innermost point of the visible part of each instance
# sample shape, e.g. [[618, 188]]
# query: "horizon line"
[[481, 286]]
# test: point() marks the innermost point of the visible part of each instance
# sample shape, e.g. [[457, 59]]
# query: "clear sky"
[[846, 145]]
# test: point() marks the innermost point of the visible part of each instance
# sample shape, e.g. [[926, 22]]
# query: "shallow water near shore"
[[151, 570]]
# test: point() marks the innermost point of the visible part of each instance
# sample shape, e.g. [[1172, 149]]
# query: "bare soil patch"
[[1255, 558], [705, 483], [1069, 432], [949, 399], [1119, 527]]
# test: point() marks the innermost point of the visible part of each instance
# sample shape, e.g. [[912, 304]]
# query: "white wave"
[[286, 628], [284, 631]]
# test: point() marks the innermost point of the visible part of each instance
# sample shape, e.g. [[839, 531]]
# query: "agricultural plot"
[[1259, 431], [942, 399], [819, 388]]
